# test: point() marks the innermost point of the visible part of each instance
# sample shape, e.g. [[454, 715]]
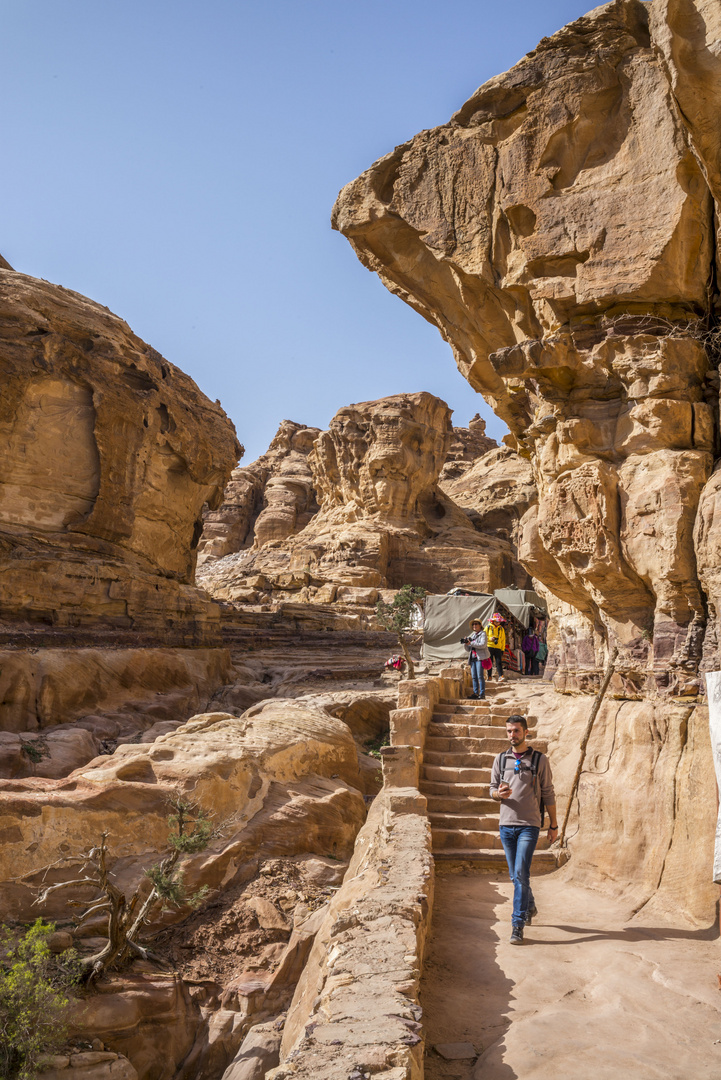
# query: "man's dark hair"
[[515, 719]]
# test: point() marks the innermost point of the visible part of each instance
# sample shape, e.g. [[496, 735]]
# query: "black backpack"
[[535, 760]]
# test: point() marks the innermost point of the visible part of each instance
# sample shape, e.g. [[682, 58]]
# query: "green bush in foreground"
[[34, 1000]]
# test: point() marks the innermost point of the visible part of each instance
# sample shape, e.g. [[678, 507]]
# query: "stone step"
[[463, 707], [448, 775], [486, 719], [451, 728], [483, 839], [462, 744], [471, 708], [456, 744], [492, 692], [455, 821], [475, 839], [543, 862], [461, 804], [446, 788], [476, 759]]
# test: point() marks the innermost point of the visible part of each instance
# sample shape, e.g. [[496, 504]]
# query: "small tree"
[[191, 830], [397, 618], [34, 987]]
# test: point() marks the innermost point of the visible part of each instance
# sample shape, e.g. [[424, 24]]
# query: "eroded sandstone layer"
[[383, 519], [110, 453], [559, 231], [282, 776]]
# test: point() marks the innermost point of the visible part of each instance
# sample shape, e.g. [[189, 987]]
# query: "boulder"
[[259, 1052], [88, 1066], [149, 1020]]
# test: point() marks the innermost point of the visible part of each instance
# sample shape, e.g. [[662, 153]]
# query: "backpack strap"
[[535, 762], [504, 758]]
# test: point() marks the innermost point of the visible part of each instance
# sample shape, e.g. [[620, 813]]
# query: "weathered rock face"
[[59, 708], [383, 520], [271, 499], [559, 232], [466, 447], [109, 454], [377, 458], [495, 490], [687, 32]]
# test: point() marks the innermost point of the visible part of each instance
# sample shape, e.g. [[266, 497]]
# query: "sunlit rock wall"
[[559, 231], [109, 453]]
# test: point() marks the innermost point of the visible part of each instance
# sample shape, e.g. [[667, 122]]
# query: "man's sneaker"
[[517, 935], [531, 914]]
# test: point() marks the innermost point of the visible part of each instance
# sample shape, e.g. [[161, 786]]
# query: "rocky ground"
[[245, 929], [593, 992]]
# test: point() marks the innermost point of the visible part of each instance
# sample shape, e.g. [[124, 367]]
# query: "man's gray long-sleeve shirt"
[[521, 807]]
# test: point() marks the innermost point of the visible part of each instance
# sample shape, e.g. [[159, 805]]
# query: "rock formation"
[[383, 519], [559, 231], [271, 499], [110, 453], [467, 445], [495, 490]]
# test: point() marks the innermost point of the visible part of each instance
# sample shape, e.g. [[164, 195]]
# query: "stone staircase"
[[462, 741]]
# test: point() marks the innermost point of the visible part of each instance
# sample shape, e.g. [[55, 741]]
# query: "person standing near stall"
[[496, 637], [477, 653], [529, 646]]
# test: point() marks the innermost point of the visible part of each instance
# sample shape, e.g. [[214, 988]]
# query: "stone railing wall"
[[355, 1011]]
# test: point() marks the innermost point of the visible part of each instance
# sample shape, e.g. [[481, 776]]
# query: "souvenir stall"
[[530, 616], [447, 620]]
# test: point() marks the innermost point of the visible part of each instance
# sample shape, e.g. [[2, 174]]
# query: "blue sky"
[[178, 162]]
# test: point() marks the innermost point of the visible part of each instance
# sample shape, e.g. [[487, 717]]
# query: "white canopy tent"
[[521, 603], [447, 620]]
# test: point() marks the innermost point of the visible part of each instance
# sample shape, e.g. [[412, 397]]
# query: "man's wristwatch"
[[553, 828]]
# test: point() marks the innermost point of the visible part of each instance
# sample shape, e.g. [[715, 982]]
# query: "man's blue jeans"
[[479, 682], [519, 843]]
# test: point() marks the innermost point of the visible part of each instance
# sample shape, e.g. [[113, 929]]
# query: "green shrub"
[[397, 618], [373, 747], [34, 988]]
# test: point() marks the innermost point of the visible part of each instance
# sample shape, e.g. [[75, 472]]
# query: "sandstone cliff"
[[383, 518], [271, 499], [109, 454], [495, 490], [559, 231], [467, 445]]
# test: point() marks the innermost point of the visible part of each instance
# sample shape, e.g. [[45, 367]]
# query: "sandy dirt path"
[[589, 996]]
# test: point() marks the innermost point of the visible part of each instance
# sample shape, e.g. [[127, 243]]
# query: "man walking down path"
[[521, 781], [477, 653], [496, 637]]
